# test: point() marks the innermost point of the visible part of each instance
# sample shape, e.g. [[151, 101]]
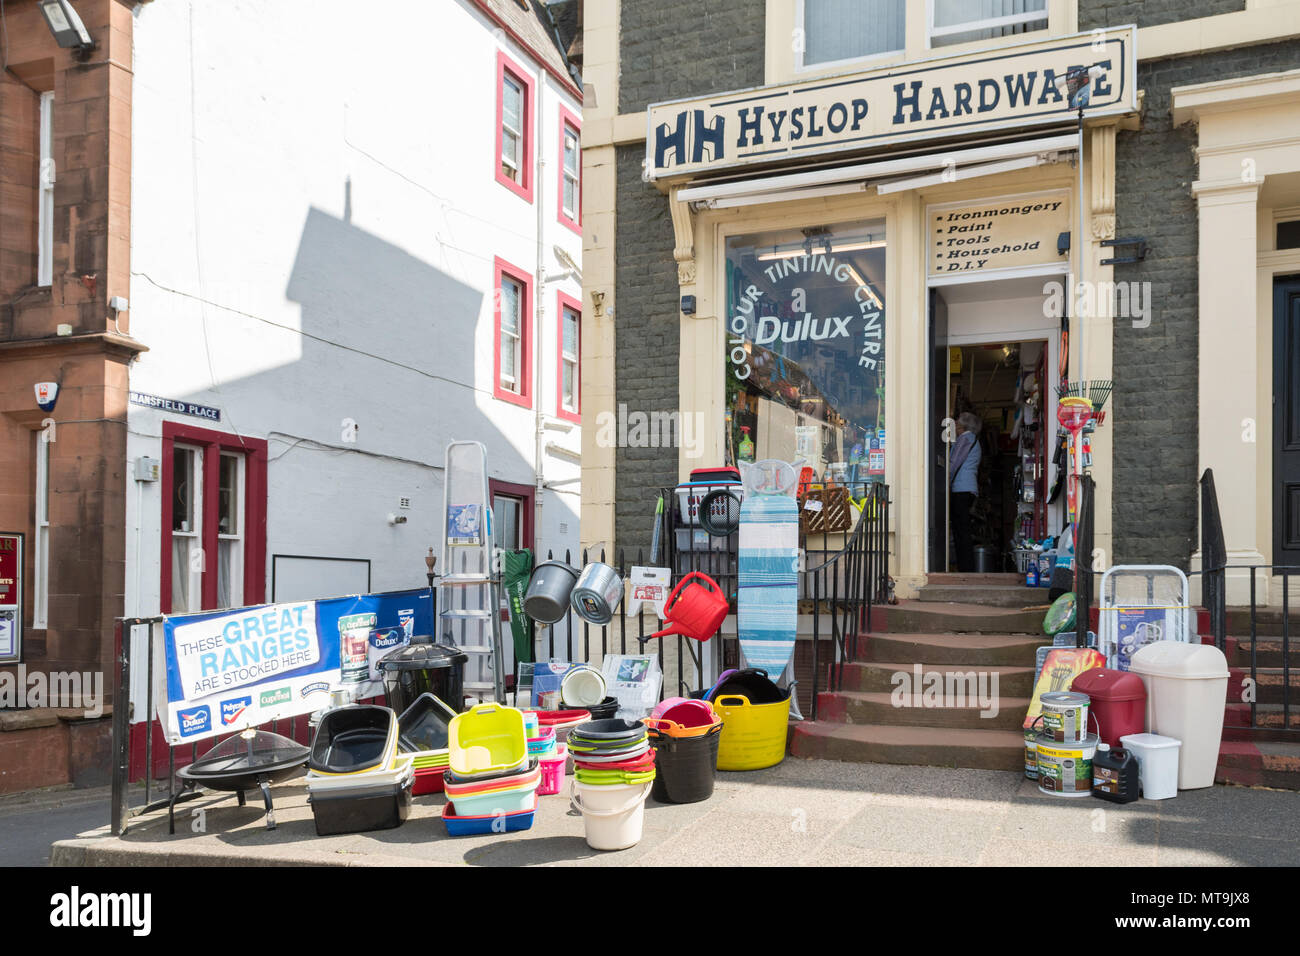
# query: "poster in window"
[[11, 598]]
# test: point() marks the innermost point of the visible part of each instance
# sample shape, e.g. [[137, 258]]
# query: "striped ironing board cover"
[[767, 601]]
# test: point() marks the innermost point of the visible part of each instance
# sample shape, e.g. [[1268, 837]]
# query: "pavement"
[[32, 820], [801, 812]]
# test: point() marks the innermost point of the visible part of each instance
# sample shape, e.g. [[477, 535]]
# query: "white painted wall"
[[314, 222]]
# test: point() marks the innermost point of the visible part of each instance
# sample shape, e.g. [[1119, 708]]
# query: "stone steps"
[[879, 708], [917, 746], [992, 649], [880, 676], [1014, 596], [926, 617]]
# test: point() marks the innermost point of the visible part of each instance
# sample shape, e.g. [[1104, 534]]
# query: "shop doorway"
[[1286, 420], [994, 356]]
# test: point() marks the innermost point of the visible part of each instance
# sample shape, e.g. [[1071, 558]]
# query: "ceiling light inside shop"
[[806, 248]]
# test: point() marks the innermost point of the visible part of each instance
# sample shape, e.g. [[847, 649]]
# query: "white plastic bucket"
[[1157, 759], [611, 815]]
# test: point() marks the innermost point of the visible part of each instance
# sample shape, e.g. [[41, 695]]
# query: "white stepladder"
[[469, 613], [1141, 604]]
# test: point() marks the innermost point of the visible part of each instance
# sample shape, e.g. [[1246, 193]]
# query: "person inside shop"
[[965, 466]]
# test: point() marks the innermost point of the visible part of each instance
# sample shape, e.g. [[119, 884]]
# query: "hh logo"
[[196, 720], [692, 125], [232, 710]]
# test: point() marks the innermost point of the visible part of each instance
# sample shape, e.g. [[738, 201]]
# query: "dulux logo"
[[232, 709], [802, 329], [47, 393], [196, 720], [320, 687], [386, 637]]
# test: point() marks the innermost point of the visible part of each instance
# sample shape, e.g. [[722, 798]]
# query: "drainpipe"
[[539, 312]]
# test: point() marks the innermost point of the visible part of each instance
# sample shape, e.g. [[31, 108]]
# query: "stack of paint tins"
[[1063, 747], [614, 769]]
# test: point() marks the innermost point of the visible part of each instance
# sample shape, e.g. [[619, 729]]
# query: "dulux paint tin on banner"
[[1065, 716], [1065, 769]]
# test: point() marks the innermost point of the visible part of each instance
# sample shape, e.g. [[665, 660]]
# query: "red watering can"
[[694, 612]]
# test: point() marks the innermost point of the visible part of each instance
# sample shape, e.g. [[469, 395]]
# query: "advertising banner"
[[224, 671]]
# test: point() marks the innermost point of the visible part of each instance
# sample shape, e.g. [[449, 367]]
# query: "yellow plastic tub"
[[489, 738], [753, 735]]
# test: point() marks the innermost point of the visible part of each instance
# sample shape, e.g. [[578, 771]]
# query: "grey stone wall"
[[646, 337], [1154, 406], [1150, 13], [672, 50]]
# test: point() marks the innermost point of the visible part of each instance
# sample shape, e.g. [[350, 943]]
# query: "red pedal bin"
[[1119, 701]]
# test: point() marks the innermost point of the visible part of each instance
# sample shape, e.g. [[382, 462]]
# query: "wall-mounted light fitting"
[[68, 30]]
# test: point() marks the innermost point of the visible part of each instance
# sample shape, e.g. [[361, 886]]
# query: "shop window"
[[514, 167], [964, 21], [570, 187], [840, 30], [45, 211], [513, 352], [568, 403], [41, 557], [805, 349], [214, 520]]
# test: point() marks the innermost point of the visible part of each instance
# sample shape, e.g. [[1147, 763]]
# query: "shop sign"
[[179, 407], [228, 670], [1011, 87], [1005, 233], [11, 598]]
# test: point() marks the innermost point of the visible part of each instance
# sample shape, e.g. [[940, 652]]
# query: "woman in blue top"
[[965, 466]]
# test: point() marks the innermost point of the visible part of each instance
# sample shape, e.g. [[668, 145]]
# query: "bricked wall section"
[[1155, 399], [1150, 13], [673, 50], [646, 338]]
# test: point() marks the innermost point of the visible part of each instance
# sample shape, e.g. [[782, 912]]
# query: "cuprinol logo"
[[281, 695]]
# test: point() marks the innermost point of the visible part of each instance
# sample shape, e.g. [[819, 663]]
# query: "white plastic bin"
[[1187, 687], [1157, 759]]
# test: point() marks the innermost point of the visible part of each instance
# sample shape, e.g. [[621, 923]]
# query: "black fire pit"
[[252, 760]]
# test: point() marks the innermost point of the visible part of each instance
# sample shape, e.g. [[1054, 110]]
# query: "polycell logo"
[[232, 710], [281, 695], [320, 687], [196, 720]]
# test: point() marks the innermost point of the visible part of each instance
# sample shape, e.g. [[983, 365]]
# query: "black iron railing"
[[1214, 561], [1272, 716], [1085, 575]]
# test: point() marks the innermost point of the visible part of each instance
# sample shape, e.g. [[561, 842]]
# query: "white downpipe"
[[539, 313]]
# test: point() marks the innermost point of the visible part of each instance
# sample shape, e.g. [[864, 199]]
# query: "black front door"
[[1286, 420], [938, 540]]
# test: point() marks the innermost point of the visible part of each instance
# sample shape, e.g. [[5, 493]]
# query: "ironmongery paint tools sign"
[[1003, 233], [1011, 87]]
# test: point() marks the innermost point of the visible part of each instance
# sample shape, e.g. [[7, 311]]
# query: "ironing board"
[[767, 602]]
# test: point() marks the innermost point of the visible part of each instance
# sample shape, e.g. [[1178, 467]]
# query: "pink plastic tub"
[[553, 771]]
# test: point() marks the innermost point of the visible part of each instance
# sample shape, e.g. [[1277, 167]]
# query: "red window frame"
[[255, 459], [563, 302], [528, 494], [569, 121], [524, 189], [524, 397]]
